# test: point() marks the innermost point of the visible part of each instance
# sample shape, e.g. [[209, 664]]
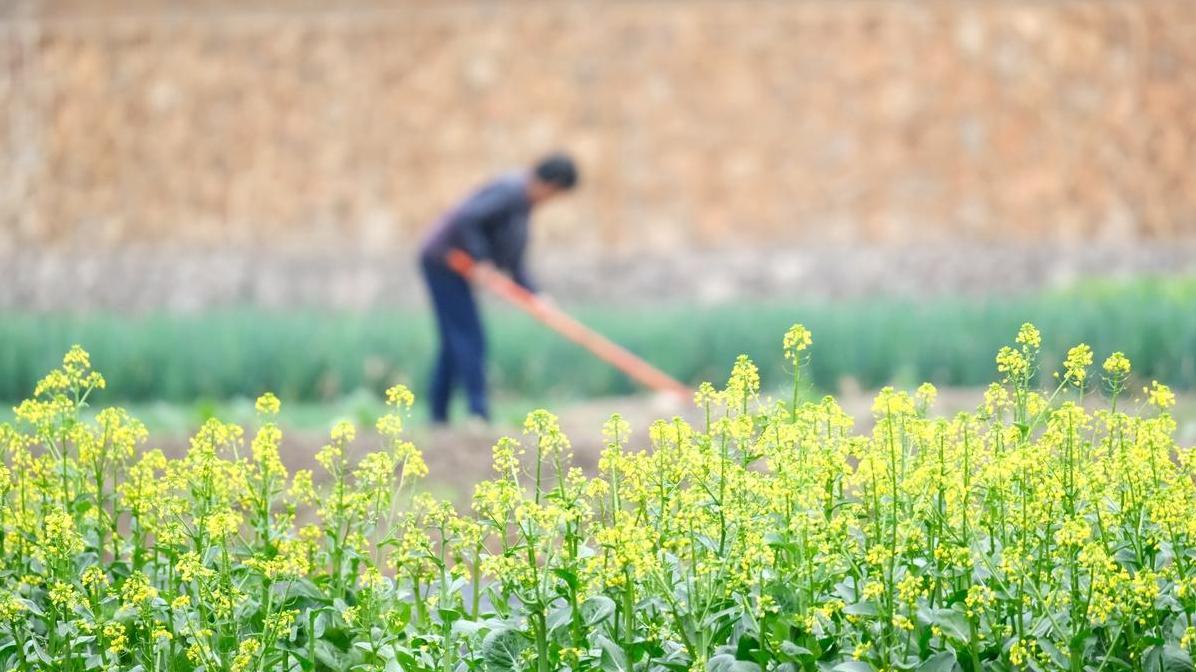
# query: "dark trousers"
[[462, 356]]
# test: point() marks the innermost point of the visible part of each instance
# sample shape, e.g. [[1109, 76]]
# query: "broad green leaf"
[[304, 588], [861, 609], [613, 658], [567, 576], [501, 649], [725, 662], [597, 609], [448, 615], [792, 650], [1057, 657], [466, 627], [1167, 658], [329, 655], [941, 662], [746, 646], [953, 623]]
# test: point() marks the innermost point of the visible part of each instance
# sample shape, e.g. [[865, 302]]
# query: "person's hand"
[[483, 271]]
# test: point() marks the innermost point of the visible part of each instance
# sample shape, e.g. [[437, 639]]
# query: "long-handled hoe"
[[603, 348]]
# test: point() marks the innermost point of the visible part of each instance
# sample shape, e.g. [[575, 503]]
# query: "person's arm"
[[519, 272], [469, 218], [510, 249]]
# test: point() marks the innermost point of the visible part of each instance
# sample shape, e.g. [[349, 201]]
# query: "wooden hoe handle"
[[602, 347]]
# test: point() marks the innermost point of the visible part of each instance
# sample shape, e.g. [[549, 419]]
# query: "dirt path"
[[458, 458]]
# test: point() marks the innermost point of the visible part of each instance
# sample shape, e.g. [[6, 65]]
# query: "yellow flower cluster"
[[797, 339], [1079, 358], [268, 404], [773, 528], [1117, 365]]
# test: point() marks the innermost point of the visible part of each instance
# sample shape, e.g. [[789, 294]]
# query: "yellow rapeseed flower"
[[1029, 336], [1117, 365], [400, 396], [1013, 364], [796, 339], [1160, 396], [268, 404], [247, 653], [1075, 366]]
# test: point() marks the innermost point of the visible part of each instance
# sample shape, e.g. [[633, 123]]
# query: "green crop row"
[[308, 356]]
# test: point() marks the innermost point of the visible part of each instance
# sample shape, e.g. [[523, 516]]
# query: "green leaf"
[[304, 588], [861, 609], [466, 627], [613, 659], [1056, 656], [329, 655], [746, 645], [501, 649], [449, 615], [372, 648], [1077, 641], [567, 576], [852, 666], [596, 610], [1168, 658], [786, 598], [953, 623], [942, 662], [725, 662], [559, 619], [793, 651], [32, 607], [714, 620]]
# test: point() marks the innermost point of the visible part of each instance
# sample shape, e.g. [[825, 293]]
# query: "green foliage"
[[311, 356]]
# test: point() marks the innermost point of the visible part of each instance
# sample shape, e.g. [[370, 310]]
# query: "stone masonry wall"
[[133, 132]]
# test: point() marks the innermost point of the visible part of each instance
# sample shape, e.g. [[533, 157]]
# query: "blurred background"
[[219, 197]]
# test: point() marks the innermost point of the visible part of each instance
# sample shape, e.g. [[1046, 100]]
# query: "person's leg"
[[440, 389], [471, 362], [461, 335], [467, 346]]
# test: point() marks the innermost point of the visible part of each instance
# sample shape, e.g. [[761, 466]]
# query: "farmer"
[[491, 226]]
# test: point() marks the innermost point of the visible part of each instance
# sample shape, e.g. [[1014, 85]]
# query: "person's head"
[[553, 175]]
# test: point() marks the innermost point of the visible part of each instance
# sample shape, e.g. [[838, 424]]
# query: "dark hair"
[[558, 170]]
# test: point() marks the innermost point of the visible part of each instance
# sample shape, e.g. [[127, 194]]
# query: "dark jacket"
[[490, 225]]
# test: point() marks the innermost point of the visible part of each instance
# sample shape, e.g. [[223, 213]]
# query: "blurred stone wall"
[[171, 140]]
